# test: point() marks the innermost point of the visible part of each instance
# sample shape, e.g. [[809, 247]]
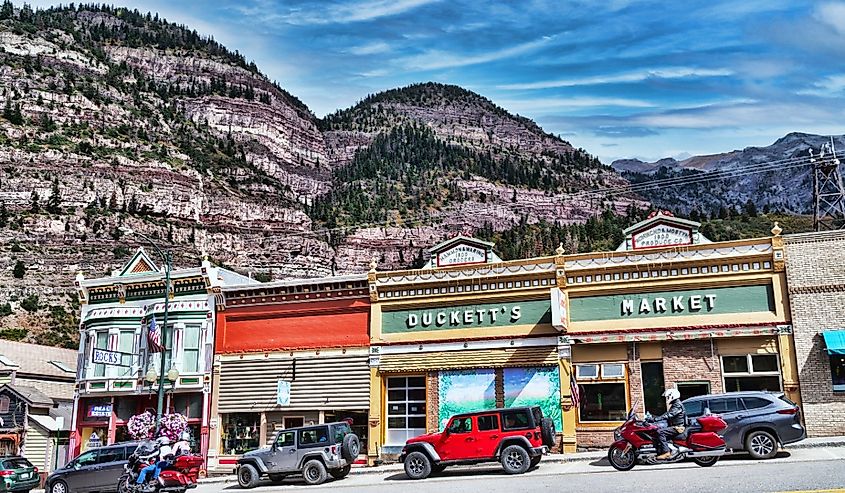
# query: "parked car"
[[757, 421], [95, 470], [313, 451], [516, 437], [17, 474]]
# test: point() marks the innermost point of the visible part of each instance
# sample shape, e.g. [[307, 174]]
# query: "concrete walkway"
[[837, 441]]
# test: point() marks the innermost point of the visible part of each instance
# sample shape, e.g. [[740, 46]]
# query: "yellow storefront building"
[[585, 337]]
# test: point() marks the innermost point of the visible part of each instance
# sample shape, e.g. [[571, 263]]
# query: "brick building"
[[815, 267]]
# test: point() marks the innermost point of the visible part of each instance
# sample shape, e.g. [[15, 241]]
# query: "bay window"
[[191, 349], [126, 345], [101, 342]]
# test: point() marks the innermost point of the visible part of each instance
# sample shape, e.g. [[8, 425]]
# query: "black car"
[[757, 421], [95, 470]]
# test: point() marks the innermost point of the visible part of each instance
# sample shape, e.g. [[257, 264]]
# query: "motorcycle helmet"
[[671, 394], [163, 440], [185, 436]]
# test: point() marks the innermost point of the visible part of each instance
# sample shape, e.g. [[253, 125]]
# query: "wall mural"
[[465, 391], [535, 387]]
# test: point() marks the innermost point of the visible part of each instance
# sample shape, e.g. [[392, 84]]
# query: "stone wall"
[[815, 269]]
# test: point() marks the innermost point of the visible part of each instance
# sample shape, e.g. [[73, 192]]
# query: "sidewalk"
[[838, 441]]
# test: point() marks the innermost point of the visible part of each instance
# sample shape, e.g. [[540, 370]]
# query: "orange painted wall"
[[315, 324]]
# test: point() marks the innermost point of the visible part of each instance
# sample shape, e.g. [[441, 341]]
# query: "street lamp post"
[[167, 268]]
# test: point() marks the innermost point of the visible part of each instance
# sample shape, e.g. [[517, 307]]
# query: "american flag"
[[573, 389], [153, 337]]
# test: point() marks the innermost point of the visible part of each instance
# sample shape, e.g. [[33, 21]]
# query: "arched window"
[[4, 403]]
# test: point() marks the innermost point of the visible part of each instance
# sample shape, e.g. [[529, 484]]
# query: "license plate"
[[25, 475]]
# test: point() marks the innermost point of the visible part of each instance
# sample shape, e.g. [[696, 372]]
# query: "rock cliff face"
[[114, 118]]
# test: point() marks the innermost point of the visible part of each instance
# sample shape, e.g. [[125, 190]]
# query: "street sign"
[[106, 357]]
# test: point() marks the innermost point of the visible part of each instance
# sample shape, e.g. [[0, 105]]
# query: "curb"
[[838, 443]]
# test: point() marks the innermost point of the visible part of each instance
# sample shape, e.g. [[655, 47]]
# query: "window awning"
[[480, 358], [835, 341]]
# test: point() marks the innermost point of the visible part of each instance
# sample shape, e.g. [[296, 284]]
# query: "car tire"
[[417, 465], [351, 447], [761, 444], [314, 472], [247, 476], [342, 472], [277, 478], [535, 461], [547, 431], [59, 487], [515, 459]]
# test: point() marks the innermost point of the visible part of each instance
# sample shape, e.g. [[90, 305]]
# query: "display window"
[[751, 372], [240, 432], [603, 391]]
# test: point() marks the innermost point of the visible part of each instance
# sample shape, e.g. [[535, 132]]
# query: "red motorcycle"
[[634, 441], [179, 477]]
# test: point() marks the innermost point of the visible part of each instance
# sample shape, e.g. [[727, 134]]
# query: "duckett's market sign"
[[712, 301], [467, 317]]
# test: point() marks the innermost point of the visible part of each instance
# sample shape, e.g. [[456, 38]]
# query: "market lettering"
[[675, 304], [463, 317]]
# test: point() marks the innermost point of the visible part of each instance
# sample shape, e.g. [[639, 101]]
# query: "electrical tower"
[[828, 190]]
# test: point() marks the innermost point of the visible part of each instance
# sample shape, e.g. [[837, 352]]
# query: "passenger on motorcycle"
[[675, 419], [165, 453], [183, 446]]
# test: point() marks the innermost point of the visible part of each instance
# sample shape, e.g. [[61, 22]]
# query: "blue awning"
[[835, 341]]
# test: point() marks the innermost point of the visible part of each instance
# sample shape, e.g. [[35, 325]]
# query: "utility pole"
[[828, 189]]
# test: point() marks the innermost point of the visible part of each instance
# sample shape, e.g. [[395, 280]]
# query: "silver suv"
[[313, 451]]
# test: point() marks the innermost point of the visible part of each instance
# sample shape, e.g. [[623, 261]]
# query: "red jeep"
[[517, 437]]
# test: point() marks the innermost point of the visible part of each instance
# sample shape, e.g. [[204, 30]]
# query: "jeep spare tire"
[[351, 447], [547, 431]]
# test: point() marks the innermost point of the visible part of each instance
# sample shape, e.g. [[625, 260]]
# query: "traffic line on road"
[[838, 490]]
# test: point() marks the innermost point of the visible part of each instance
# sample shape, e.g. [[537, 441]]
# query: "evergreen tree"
[[751, 208], [113, 201], [54, 202], [4, 215], [19, 270], [35, 206]]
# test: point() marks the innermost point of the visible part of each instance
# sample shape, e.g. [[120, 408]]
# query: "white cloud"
[[541, 104], [437, 59], [637, 76], [832, 14], [341, 13], [370, 48]]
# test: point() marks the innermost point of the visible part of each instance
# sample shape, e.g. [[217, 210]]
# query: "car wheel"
[[535, 461], [59, 487], [247, 476], [277, 478], [705, 461], [547, 431], [515, 459], [417, 465], [341, 473], [351, 447], [761, 444], [314, 472], [622, 458]]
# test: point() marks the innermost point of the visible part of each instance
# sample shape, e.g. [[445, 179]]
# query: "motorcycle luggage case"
[[706, 440]]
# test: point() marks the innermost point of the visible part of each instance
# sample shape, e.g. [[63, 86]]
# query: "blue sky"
[[619, 78]]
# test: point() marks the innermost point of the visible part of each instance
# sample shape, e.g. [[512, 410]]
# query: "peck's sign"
[[467, 316]]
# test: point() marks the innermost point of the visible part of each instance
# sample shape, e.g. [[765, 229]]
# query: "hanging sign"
[[560, 309], [110, 358], [99, 411], [283, 393]]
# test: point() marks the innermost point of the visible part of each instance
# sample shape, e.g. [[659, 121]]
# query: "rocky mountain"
[[785, 182], [116, 118]]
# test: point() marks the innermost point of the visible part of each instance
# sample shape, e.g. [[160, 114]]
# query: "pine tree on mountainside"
[[54, 201]]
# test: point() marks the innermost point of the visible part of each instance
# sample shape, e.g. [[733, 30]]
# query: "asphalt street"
[[818, 469]]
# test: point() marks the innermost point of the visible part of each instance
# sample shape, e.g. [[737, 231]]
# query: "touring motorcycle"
[[634, 442], [179, 477]]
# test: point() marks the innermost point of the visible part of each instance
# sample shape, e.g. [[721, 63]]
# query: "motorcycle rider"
[[183, 446], [675, 418], [165, 453]]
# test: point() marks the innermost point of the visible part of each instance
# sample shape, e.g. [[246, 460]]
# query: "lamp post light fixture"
[[165, 256]]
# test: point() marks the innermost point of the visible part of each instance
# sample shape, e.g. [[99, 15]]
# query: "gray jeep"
[[313, 451]]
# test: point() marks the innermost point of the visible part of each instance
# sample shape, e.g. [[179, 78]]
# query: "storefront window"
[[603, 398], [240, 432], [189, 405], [692, 389], [191, 349], [751, 372], [837, 373], [405, 408]]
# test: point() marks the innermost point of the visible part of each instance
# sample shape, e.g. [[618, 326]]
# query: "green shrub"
[[30, 303]]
